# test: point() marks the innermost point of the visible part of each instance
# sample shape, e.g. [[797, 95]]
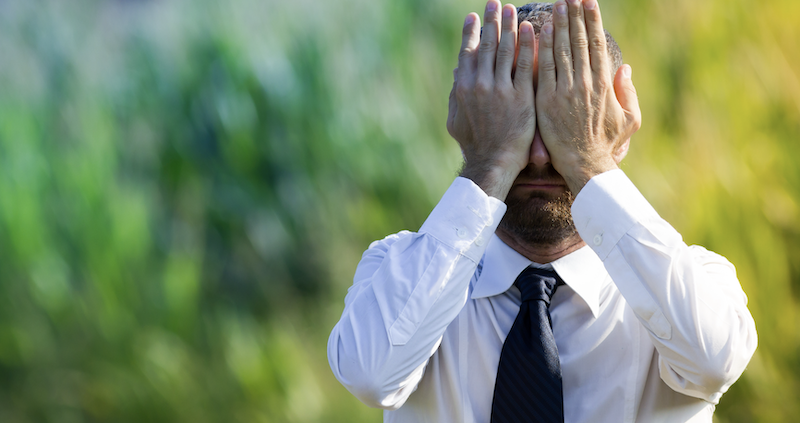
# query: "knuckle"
[[580, 41], [454, 132], [637, 121], [524, 63], [487, 42], [505, 91], [563, 51], [598, 43], [548, 66], [483, 87], [505, 52], [462, 92], [581, 84], [465, 53]]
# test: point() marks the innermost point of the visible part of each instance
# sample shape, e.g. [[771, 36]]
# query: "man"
[[647, 329]]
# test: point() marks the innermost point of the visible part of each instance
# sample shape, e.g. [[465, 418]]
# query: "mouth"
[[540, 185]]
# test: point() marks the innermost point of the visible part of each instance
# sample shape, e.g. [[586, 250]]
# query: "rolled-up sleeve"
[[689, 299], [407, 289]]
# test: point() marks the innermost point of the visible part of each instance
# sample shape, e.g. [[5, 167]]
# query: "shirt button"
[[479, 241], [462, 233], [598, 239]]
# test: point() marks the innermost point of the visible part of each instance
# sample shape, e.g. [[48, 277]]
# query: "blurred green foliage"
[[186, 188]]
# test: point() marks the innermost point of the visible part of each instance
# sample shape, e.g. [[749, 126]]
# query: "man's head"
[[539, 202]]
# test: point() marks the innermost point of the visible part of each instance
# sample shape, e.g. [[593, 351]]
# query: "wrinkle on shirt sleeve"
[[461, 226], [407, 289], [687, 298]]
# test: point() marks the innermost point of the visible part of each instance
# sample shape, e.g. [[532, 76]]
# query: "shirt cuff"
[[465, 218], [607, 208]]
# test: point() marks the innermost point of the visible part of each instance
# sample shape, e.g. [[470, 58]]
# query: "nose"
[[539, 155]]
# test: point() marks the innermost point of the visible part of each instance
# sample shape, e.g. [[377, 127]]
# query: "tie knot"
[[537, 284]]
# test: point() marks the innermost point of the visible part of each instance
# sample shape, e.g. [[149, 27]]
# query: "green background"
[[186, 188]]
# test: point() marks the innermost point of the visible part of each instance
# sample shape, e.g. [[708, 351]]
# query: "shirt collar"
[[581, 270]]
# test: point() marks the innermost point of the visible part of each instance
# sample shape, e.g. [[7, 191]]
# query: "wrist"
[[582, 174], [494, 180]]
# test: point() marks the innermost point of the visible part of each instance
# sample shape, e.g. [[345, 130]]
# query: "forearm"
[[688, 299], [408, 288]]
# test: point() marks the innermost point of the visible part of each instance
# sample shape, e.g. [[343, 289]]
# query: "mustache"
[[545, 173]]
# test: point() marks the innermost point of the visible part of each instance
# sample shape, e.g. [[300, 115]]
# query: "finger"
[[562, 53], [467, 57], [597, 39], [508, 45], [523, 78], [627, 98], [487, 51], [578, 42], [547, 65]]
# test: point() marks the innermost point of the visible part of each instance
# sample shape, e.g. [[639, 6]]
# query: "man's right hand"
[[491, 114]]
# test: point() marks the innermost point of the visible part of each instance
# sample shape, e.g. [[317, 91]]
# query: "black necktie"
[[528, 386]]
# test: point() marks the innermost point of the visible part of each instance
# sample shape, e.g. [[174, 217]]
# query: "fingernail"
[[507, 12], [525, 29], [561, 8], [491, 6], [589, 4], [626, 71], [548, 28], [470, 19]]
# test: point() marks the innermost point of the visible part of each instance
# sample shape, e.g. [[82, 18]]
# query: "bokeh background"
[[186, 187]]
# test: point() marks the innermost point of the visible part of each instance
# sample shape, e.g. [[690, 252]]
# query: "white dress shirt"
[[648, 329]]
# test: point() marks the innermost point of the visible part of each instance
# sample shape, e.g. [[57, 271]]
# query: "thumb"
[[452, 106], [626, 96]]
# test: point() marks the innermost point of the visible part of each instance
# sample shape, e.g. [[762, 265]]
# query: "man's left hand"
[[585, 120]]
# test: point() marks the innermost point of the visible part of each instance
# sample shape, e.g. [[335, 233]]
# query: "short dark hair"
[[540, 13]]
